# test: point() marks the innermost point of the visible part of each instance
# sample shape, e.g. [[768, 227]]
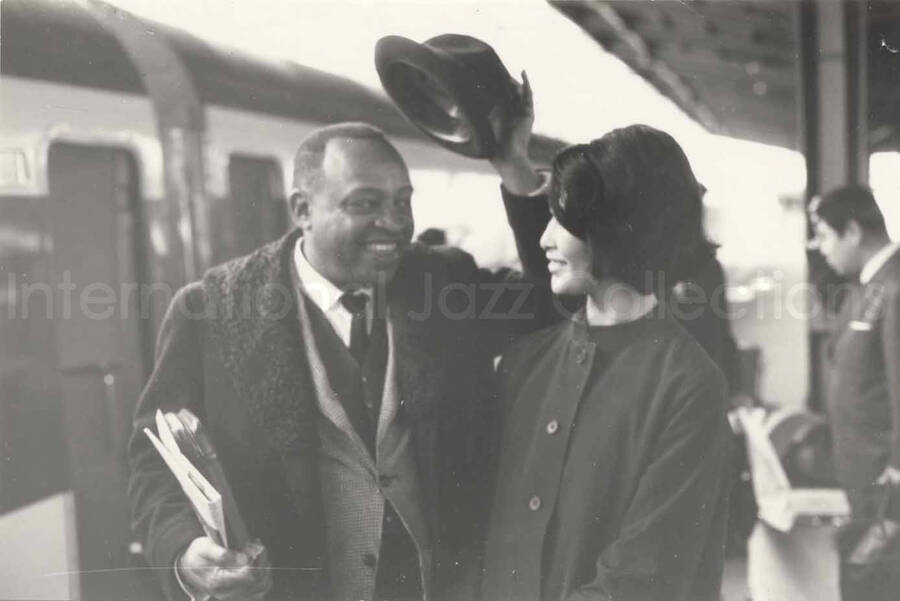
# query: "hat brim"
[[434, 92]]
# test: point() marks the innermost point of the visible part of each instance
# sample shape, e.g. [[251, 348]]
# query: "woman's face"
[[569, 260]]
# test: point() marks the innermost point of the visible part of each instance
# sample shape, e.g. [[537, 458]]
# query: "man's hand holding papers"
[[226, 575], [208, 568]]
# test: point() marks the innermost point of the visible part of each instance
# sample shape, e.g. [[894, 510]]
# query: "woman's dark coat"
[[612, 477]]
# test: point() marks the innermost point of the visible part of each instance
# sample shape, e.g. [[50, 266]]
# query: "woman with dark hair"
[[612, 475]]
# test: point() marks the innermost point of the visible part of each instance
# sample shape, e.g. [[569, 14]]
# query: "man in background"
[[863, 394]]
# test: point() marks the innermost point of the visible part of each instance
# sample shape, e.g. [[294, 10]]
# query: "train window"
[[255, 210], [93, 217]]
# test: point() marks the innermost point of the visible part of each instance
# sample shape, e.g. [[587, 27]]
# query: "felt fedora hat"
[[450, 86]]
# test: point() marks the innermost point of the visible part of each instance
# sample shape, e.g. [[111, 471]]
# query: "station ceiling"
[[733, 65]]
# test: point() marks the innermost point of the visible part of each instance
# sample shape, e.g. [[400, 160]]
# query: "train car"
[[133, 157]]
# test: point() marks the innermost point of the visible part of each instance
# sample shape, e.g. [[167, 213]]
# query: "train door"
[[254, 212], [94, 217]]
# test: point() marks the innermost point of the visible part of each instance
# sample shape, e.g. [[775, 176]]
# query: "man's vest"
[[355, 485]]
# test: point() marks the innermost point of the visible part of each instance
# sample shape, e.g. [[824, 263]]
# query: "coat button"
[[534, 503], [552, 427], [369, 560]]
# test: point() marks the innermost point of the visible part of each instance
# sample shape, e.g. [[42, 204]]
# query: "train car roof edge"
[[63, 41]]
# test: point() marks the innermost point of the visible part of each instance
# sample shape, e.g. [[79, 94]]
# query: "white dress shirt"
[[327, 296], [877, 261]]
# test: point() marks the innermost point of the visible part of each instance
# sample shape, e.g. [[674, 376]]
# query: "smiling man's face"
[[357, 216]]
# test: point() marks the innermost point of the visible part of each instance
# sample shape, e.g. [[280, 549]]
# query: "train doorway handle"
[[111, 417]]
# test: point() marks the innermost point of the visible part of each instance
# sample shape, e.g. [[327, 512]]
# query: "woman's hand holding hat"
[[512, 130]]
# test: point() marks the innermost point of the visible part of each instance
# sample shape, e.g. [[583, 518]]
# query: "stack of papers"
[[780, 505], [206, 500]]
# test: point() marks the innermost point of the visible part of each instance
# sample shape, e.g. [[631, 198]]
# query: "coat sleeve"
[[528, 217], [162, 516], [671, 541], [890, 336]]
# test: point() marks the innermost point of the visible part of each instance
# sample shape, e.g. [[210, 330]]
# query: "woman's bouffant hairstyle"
[[631, 195]]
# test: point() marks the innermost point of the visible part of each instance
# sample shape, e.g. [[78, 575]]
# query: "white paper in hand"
[[206, 500], [165, 433]]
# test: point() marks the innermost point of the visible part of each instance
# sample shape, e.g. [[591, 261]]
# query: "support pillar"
[[834, 132]]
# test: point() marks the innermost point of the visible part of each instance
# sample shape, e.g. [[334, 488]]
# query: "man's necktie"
[[355, 303]]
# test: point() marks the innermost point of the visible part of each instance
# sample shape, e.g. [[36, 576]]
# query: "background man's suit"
[[864, 411], [230, 349], [864, 393]]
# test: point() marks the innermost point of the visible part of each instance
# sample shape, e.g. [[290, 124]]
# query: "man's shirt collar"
[[317, 287], [877, 261]]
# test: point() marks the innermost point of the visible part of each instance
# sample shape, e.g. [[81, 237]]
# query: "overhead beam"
[[630, 47]]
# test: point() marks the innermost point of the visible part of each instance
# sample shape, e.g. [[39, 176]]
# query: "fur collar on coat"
[[252, 321]]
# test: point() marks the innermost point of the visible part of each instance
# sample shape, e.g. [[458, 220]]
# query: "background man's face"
[[359, 219], [839, 250]]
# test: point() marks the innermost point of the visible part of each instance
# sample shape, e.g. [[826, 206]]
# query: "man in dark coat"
[[864, 391], [341, 373]]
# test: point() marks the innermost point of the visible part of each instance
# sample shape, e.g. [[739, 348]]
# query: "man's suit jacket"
[[864, 389], [230, 350]]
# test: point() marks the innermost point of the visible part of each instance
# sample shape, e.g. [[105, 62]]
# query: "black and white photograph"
[[449, 300]]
